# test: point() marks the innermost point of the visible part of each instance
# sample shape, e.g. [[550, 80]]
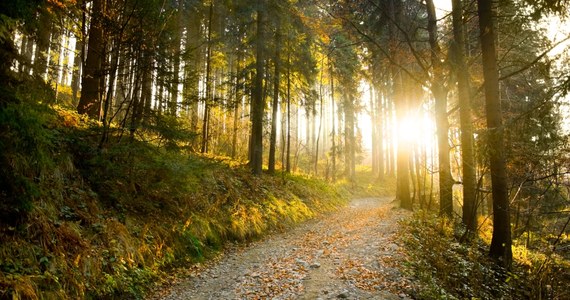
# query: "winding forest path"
[[352, 254]]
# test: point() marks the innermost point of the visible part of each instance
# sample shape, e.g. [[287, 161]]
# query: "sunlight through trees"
[[464, 103]]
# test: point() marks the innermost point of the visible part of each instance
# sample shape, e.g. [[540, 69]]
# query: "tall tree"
[[258, 104], [90, 101], [501, 241], [275, 103], [442, 123], [466, 122], [208, 99]]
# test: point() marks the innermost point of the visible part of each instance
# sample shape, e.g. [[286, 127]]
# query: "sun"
[[418, 129]]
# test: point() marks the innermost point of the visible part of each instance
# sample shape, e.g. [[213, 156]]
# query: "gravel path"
[[351, 254]]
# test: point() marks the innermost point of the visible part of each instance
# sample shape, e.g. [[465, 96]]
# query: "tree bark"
[[207, 101], [275, 104], [333, 133], [442, 122], [380, 133], [464, 95], [42, 43], [176, 53], [351, 145], [501, 242], [77, 66], [257, 101], [238, 99], [90, 101]]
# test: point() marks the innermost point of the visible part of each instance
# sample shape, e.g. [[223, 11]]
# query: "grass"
[[114, 223], [366, 184], [448, 269]]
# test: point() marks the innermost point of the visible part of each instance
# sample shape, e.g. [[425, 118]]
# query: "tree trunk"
[[55, 62], [77, 66], [321, 116], [501, 241], [238, 98], [275, 104], [192, 67], [351, 139], [257, 101], [403, 156], [442, 122], [207, 101], [109, 98], [288, 150], [42, 43], [333, 133], [90, 101], [176, 53], [380, 133], [146, 87], [463, 93]]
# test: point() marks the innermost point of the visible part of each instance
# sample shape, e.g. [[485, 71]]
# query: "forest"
[[141, 139]]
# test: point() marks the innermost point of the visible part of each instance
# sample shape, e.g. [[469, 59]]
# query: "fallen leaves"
[[350, 254]]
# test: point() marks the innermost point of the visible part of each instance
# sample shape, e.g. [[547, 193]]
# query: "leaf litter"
[[353, 253]]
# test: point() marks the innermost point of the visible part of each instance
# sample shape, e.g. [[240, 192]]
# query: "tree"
[[258, 105], [464, 95], [501, 241], [275, 103], [91, 89], [208, 100], [440, 94]]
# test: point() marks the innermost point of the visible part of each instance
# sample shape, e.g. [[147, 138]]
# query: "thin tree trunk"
[[29, 50], [403, 159], [321, 115], [206, 120], [65, 64], [351, 145], [275, 104], [380, 133], [257, 101], [237, 105], [333, 133], [108, 99], [288, 154], [77, 66]]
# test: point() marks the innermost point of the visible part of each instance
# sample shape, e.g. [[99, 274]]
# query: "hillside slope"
[[83, 221]]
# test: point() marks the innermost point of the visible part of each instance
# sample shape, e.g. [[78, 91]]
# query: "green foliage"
[[108, 223], [18, 9], [27, 154], [449, 269], [172, 132]]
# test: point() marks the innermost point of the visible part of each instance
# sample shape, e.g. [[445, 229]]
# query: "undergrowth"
[[366, 184], [90, 223], [448, 268]]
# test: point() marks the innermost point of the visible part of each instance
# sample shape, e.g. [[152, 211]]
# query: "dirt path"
[[350, 254]]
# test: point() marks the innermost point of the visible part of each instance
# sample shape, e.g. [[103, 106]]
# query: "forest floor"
[[353, 253]]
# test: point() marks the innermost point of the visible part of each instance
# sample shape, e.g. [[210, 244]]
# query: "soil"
[[353, 253]]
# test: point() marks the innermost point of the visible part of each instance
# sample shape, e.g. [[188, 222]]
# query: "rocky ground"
[[351, 254]]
